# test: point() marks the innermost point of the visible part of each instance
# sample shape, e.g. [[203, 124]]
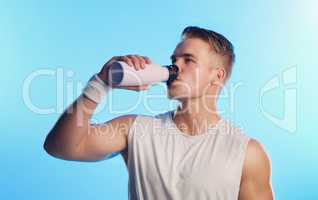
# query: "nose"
[[179, 65]]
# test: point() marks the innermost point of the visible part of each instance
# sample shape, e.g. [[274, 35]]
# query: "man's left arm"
[[256, 174]]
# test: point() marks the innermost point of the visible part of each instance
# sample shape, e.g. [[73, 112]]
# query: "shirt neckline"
[[210, 130]]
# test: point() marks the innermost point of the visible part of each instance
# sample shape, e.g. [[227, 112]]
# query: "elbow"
[[51, 150], [58, 151], [47, 146], [50, 147]]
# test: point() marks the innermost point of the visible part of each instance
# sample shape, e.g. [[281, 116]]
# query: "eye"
[[188, 60]]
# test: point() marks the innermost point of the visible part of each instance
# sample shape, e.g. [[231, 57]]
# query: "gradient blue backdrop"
[[76, 38]]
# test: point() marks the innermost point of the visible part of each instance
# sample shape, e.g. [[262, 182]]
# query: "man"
[[187, 153]]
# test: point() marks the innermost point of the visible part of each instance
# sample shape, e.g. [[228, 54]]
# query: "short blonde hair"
[[218, 42]]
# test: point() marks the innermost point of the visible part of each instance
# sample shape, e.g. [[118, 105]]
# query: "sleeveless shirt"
[[165, 163]]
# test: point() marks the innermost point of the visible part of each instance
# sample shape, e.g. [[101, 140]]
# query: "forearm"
[[71, 128], [69, 138]]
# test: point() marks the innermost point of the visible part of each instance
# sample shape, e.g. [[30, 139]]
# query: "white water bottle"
[[121, 74]]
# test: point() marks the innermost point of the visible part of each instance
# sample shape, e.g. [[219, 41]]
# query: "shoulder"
[[124, 120], [256, 158], [256, 154], [257, 161], [130, 119], [142, 123], [256, 176]]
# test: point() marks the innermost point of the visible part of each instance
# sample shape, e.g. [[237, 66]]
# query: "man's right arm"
[[73, 137]]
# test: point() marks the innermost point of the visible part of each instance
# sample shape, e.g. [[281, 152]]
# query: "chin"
[[175, 94]]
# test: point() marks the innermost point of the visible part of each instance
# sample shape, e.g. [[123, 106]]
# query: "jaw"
[[206, 100]]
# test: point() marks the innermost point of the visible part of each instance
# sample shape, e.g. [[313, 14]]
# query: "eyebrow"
[[173, 57]]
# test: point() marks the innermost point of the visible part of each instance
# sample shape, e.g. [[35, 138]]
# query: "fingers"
[[136, 61], [148, 61], [135, 88], [127, 60]]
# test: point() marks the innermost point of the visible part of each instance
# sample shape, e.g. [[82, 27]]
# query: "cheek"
[[191, 75], [197, 80]]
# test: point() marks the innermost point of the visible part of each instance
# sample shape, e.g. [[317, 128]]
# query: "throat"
[[194, 124]]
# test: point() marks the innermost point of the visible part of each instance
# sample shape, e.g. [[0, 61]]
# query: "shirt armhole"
[[130, 139], [243, 154]]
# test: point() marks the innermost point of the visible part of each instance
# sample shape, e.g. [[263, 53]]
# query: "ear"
[[221, 74]]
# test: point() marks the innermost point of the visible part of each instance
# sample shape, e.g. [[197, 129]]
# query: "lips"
[[173, 82], [178, 80]]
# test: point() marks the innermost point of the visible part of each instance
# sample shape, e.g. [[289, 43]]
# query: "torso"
[[163, 163]]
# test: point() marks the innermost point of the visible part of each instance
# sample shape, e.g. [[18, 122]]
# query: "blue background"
[[77, 37]]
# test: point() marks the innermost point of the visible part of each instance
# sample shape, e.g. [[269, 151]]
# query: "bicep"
[[107, 138], [255, 183], [254, 190]]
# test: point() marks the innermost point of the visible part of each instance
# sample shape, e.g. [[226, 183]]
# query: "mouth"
[[169, 85]]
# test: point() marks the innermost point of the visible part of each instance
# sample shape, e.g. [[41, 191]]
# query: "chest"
[[204, 164]]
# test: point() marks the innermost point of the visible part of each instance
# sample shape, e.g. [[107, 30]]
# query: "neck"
[[195, 116]]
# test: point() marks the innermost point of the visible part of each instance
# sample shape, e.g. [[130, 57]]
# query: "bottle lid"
[[173, 73]]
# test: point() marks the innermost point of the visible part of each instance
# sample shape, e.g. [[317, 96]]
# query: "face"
[[200, 69]]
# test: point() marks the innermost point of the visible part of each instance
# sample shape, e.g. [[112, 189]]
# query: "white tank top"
[[165, 163]]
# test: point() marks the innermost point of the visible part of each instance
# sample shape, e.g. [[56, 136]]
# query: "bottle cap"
[[173, 73]]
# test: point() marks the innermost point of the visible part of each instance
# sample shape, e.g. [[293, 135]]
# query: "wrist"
[[104, 77], [96, 89]]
